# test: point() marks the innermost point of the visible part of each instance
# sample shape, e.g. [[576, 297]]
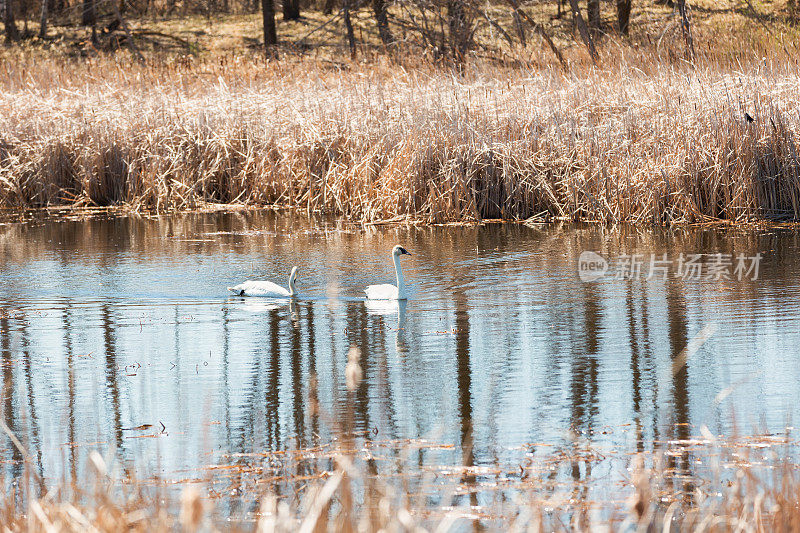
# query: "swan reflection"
[[390, 307]]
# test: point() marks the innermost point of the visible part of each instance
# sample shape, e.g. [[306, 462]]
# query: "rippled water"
[[109, 325]]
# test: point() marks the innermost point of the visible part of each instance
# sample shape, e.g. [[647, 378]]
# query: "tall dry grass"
[[640, 139]]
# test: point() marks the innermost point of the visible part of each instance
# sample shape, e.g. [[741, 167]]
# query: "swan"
[[387, 291], [266, 288]]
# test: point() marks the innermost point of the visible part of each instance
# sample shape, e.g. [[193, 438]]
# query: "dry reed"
[[695, 484], [640, 140]]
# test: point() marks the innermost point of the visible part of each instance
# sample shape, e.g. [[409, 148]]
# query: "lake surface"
[[119, 335]]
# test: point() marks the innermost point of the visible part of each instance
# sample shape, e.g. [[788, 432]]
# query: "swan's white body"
[[266, 289], [387, 291]]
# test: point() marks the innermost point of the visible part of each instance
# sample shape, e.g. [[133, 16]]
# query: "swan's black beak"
[[404, 251]]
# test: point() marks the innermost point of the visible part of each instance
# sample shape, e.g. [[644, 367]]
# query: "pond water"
[[118, 334]]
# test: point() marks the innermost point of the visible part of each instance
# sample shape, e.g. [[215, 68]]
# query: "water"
[[108, 325]]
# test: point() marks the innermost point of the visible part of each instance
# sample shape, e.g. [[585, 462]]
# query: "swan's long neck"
[[292, 290], [401, 285]]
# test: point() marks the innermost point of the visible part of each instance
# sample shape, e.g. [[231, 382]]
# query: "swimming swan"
[[387, 291], [266, 288]]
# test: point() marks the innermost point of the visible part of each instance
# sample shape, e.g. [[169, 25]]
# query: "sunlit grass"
[[639, 140], [643, 137]]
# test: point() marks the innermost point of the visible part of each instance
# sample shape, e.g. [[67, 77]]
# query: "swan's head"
[[293, 275], [399, 250]]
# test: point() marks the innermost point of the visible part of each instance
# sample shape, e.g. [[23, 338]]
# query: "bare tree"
[[459, 27], [89, 17], [43, 20], [382, 18], [348, 24], [12, 32], [291, 9], [686, 26], [593, 14], [128, 35], [538, 28], [623, 15], [270, 32], [520, 29], [584, 31]]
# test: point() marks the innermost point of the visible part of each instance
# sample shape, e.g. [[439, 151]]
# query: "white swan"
[[266, 288], [387, 291]]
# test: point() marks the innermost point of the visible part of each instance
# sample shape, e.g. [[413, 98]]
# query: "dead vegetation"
[[703, 483], [644, 138]]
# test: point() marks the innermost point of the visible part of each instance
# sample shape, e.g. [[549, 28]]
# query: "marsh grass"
[[642, 139]]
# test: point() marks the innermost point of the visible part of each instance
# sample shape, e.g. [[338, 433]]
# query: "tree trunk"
[[584, 31], [538, 28], [291, 9], [43, 21], [623, 15], [89, 17], [348, 24], [382, 18], [460, 32], [686, 26], [593, 14], [327, 8], [270, 32], [128, 36], [520, 29], [12, 32]]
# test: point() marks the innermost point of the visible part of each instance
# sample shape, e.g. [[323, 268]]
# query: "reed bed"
[[639, 139], [693, 484]]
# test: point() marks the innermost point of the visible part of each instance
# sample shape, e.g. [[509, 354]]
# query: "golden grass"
[[644, 138]]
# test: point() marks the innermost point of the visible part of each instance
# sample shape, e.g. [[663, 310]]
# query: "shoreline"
[[67, 212]]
